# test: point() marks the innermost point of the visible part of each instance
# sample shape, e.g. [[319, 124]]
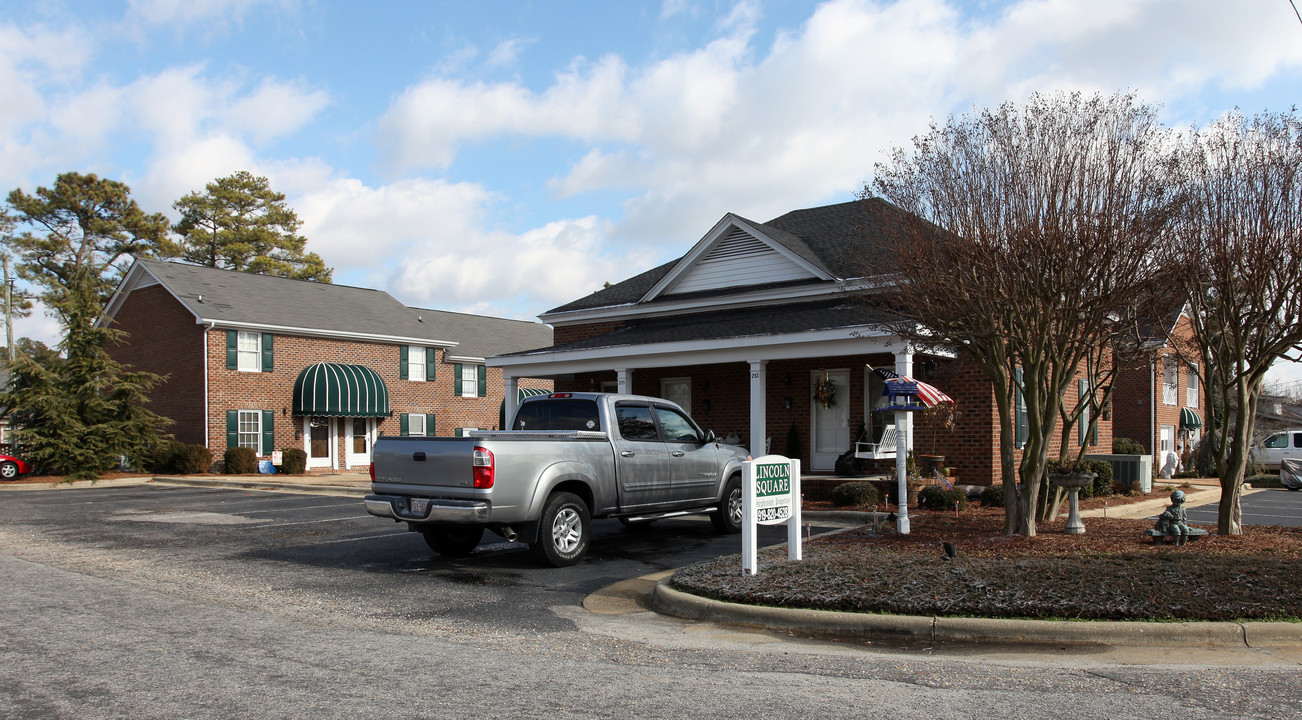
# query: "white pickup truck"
[[568, 458]]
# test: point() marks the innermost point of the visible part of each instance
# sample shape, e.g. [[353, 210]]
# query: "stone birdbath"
[[1072, 483]]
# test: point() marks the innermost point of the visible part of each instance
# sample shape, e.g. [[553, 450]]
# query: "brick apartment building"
[[271, 363], [740, 329], [1158, 402]]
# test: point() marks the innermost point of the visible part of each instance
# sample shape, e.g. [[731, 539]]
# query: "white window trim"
[[241, 353], [411, 418], [665, 384], [416, 363], [474, 383], [257, 432], [1191, 386], [1170, 384]]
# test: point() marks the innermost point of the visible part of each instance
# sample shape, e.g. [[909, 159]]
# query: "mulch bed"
[[1112, 572]]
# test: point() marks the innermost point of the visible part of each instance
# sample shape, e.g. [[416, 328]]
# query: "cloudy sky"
[[508, 157]]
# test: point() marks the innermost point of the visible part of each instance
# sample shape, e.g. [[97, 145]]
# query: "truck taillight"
[[372, 472], [482, 460]]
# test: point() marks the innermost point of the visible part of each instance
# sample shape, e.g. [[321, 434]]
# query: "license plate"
[[418, 506]]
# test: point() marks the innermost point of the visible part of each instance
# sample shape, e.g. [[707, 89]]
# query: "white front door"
[[319, 440], [357, 441], [830, 426]]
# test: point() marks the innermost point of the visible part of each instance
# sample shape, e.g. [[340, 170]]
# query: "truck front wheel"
[[563, 530], [453, 540], [727, 519]]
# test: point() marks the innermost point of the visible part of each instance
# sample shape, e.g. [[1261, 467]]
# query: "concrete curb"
[[343, 489], [78, 484], [668, 601]]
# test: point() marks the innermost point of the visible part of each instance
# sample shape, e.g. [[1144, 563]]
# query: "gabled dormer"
[[736, 254]]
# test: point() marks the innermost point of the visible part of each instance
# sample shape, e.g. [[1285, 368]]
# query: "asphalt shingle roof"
[[482, 336], [844, 239], [239, 297]]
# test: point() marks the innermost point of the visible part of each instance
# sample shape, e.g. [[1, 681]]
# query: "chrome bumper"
[[439, 510]]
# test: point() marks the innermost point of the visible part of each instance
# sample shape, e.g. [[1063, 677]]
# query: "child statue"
[[1173, 519]]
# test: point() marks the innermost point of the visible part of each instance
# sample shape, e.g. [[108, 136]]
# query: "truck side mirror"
[[709, 437]]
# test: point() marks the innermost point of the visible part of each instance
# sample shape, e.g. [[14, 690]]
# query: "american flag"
[[928, 395]]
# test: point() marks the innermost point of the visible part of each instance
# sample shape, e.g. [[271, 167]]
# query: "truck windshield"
[[557, 414]]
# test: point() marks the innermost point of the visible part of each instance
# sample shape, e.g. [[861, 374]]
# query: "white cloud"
[[274, 110], [184, 13]]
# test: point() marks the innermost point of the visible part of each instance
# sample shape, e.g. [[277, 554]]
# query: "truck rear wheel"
[[563, 530], [727, 519], [453, 540]]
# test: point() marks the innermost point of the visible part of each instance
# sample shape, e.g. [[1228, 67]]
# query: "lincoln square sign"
[[770, 496]]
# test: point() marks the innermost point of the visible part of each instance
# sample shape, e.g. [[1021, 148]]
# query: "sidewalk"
[[343, 483]]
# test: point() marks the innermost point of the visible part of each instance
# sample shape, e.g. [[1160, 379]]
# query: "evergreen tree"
[[240, 223], [79, 413]]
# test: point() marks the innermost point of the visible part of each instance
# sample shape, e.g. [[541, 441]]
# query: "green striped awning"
[[531, 392], [340, 390], [1189, 419]]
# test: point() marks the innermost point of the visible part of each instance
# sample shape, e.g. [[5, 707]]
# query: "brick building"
[[1158, 401], [271, 363], [741, 328]]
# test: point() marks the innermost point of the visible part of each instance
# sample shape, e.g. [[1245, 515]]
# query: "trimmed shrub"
[[935, 497], [1102, 481], [158, 459], [293, 461], [190, 459], [241, 461], [859, 492], [1126, 446], [993, 496], [1263, 481]]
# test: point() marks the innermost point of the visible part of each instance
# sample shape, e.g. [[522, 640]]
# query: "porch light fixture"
[[786, 402]]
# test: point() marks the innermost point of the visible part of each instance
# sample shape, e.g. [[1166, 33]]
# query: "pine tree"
[[240, 223], [79, 412]]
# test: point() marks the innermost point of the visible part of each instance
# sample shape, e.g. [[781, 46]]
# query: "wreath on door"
[[825, 393]]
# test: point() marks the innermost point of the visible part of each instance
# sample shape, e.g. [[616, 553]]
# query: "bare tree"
[[1239, 252], [1033, 239]]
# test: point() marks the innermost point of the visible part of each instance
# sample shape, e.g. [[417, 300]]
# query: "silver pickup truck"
[[568, 458]]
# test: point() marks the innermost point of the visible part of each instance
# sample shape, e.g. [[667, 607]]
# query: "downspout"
[[1152, 411], [206, 426]]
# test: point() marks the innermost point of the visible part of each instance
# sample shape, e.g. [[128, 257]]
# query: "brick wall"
[[162, 337]]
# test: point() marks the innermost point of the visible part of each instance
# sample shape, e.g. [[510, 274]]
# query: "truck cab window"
[[635, 422], [677, 427], [557, 415], [1279, 440]]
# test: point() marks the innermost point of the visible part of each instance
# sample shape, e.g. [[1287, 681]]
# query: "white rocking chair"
[[885, 448]]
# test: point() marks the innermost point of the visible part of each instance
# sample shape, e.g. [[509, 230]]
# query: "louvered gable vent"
[[738, 259]]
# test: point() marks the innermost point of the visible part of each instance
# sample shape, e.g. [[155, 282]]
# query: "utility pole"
[[9, 310]]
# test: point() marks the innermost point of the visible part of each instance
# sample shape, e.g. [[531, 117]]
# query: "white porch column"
[[511, 399], [904, 366], [623, 381], [759, 381], [903, 442]]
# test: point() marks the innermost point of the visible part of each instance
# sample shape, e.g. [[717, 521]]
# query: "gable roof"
[[232, 299], [830, 244]]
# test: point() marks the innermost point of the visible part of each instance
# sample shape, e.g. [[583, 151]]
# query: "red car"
[[11, 467]]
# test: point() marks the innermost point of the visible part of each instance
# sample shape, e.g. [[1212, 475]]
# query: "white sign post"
[[770, 496]]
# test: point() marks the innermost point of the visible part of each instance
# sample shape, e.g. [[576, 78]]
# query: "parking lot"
[[1271, 506]]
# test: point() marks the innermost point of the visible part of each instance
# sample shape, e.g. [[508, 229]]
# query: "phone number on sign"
[[768, 514]]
